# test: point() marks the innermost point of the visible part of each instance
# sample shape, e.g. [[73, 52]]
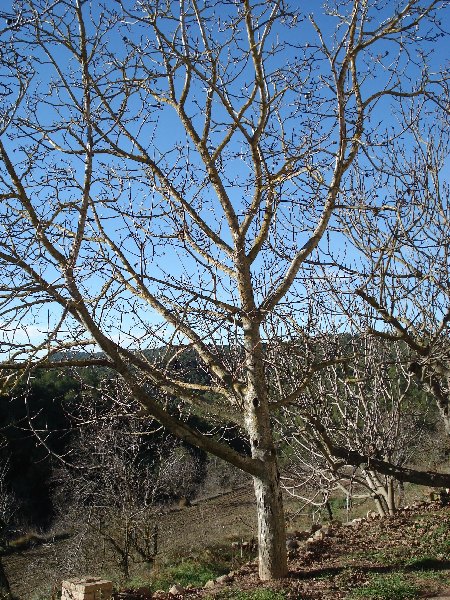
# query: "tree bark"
[[391, 496], [269, 500], [271, 525], [377, 491]]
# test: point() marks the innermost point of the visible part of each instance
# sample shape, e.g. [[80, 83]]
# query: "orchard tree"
[[360, 421], [171, 174], [108, 493], [396, 285]]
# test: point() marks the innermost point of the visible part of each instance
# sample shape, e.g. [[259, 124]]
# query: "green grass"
[[137, 581], [187, 573], [435, 537], [50, 595], [391, 586], [198, 568], [442, 577], [194, 570], [382, 557]]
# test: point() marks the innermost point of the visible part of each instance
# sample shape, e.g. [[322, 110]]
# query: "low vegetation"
[[265, 594], [391, 586], [193, 571]]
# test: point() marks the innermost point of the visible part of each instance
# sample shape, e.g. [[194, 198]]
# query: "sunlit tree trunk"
[[269, 500]]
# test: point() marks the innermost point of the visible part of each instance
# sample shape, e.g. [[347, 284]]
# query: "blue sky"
[[159, 130]]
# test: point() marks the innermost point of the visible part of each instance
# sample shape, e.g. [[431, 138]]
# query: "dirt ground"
[[411, 549], [224, 518], [415, 543]]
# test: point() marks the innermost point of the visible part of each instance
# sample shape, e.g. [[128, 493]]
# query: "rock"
[[310, 541], [327, 530], [159, 594], [176, 590], [183, 502], [143, 591], [318, 535], [315, 527], [223, 579], [291, 544], [210, 584], [354, 522]]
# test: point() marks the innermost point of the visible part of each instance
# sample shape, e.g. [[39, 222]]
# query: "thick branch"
[[356, 459]]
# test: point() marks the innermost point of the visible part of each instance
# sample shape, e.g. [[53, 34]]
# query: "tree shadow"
[[333, 571], [423, 564], [428, 564]]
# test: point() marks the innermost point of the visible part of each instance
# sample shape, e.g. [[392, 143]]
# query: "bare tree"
[[8, 501], [399, 280], [169, 173], [367, 406], [107, 494]]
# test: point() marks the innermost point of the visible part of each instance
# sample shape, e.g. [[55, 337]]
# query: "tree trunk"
[[269, 500], [391, 496], [379, 496], [271, 525]]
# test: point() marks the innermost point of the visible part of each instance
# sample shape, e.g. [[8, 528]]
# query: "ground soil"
[[222, 518], [415, 542]]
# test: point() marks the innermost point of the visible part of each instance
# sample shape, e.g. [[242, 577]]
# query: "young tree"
[[8, 506], [169, 171], [108, 493]]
